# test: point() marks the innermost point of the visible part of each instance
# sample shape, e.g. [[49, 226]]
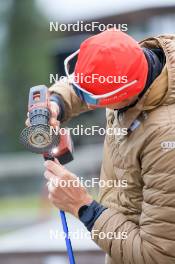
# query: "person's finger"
[[54, 122], [54, 109], [51, 187], [55, 168], [49, 175], [56, 161], [27, 122]]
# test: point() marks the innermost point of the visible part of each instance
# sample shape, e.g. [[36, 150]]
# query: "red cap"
[[112, 53]]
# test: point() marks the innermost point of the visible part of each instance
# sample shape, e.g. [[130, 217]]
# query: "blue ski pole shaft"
[[67, 239], [65, 229]]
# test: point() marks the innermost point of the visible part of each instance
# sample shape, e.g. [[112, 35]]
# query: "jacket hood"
[[162, 90]]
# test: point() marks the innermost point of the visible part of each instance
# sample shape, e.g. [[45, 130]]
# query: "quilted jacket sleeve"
[[73, 104], [152, 241]]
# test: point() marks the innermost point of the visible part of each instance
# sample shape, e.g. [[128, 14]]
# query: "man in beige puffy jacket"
[[143, 212]]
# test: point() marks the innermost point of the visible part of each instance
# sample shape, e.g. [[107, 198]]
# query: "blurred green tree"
[[26, 63]]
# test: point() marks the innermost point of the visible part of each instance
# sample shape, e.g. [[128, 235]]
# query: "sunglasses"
[[87, 97]]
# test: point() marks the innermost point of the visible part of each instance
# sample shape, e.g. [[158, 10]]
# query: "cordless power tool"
[[39, 137]]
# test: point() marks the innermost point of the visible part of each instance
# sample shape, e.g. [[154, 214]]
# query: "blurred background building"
[[29, 53]]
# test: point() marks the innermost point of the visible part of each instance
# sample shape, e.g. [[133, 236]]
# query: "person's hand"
[[54, 110], [64, 192]]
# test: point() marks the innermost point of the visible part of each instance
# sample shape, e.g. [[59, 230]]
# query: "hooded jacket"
[[143, 210]]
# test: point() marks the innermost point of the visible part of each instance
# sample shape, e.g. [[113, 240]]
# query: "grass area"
[[18, 211], [13, 205]]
